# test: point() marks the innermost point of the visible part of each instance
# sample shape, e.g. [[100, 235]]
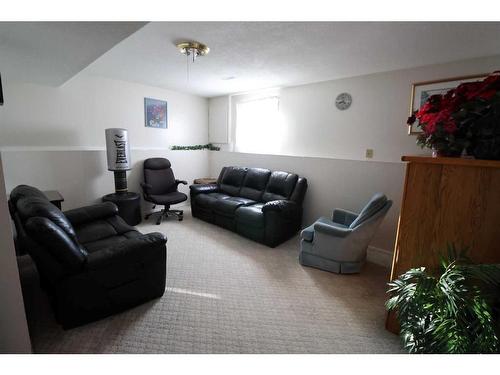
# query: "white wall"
[[82, 176], [328, 146], [76, 114], [218, 120], [376, 119], [14, 337], [333, 183], [53, 138]]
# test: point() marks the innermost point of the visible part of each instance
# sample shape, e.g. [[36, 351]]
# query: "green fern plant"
[[451, 312]]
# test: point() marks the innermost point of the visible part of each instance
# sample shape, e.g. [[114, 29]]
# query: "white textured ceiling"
[[50, 53], [272, 54], [257, 54]]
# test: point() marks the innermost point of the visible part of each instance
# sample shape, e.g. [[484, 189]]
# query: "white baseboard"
[[379, 256]]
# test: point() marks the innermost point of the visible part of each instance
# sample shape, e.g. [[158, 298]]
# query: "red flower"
[[429, 128], [438, 116], [428, 117], [450, 126], [488, 94], [426, 108]]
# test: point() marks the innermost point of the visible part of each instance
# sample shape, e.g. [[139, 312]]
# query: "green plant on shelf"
[[452, 311], [208, 146]]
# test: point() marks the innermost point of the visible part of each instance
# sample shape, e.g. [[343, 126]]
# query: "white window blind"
[[259, 127]]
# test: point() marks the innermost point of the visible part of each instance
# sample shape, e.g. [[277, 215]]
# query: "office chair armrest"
[[343, 217], [177, 182], [331, 229]]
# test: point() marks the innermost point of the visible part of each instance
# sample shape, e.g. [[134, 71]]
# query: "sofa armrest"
[[331, 229], [343, 217], [87, 214], [130, 251], [283, 207], [203, 189]]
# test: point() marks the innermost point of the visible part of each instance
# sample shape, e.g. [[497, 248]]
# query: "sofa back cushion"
[[299, 191], [41, 207], [255, 183], [22, 191], [232, 180], [221, 175], [376, 203], [56, 241], [158, 173], [279, 186]]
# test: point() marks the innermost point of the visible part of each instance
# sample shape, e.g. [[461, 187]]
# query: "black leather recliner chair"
[[259, 204], [160, 188], [91, 263]]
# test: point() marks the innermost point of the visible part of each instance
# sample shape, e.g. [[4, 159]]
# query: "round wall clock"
[[343, 101]]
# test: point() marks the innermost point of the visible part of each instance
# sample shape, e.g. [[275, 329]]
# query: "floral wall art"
[[155, 113]]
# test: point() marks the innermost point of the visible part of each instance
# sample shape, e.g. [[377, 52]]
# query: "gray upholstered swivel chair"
[[339, 244]]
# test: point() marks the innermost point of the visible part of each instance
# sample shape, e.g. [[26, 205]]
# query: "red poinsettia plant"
[[464, 118]]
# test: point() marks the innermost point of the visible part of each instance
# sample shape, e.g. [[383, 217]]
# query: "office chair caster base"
[[165, 213]]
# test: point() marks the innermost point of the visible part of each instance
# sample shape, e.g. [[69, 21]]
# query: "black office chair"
[[160, 188]]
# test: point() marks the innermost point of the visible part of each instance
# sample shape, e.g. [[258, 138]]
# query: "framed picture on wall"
[[155, 113], [421, 91]]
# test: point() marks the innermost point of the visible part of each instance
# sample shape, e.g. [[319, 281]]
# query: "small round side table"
[[129, 206]]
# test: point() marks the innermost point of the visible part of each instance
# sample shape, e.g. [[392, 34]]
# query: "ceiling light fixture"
[[192, 50]]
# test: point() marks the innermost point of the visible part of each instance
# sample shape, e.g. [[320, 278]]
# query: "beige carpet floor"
[[227, 294]]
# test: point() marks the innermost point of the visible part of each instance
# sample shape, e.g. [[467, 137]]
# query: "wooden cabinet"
[[447, 200]]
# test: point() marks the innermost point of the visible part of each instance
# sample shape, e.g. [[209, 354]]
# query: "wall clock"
[[343, 101]]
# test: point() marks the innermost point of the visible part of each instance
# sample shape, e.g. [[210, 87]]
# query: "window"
[[259, 127]]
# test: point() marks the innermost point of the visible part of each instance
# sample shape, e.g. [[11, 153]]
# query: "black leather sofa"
[[259, 204], [91, 263]]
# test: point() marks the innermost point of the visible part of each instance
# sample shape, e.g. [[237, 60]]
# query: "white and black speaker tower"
[[118, 155]]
